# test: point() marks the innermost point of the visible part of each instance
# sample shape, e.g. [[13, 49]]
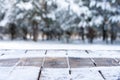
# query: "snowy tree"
[[56, 18], [107, 9], [7, 9]]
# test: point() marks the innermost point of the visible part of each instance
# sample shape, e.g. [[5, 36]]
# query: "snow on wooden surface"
[[56, 53], [19, 73], [113, 74], [18, 64], [56, 45], [31, 73], [54, 74], [77, 53], [85, 74], [81, 73], [10, 54], [104, 53]]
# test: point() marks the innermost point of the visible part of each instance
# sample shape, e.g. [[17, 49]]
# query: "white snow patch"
[[21, 56], [77, 53], [97, 20], [25, 5], [113, 74], [83, 24], [85, 74], [110, 73], [104, 5], [19, 73], [62, 4], [51, 15], [31, 73], [54, 74], [56, 53], [92, 3], [104, 54], [60, 53], [54, 45], [115, 18]]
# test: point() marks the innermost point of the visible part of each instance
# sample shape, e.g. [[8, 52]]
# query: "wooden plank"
[[105, 62], [30, 62], [8, 62], [55, 62], [22, 62], [80, 62], [33, 62], [117, 60]]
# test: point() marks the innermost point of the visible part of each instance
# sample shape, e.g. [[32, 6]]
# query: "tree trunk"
[[104, 33], [12, 30], [35, 32], [25, 32], [113, 35]]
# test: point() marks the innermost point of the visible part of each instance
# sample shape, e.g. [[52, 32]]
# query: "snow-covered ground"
[[57, 45]]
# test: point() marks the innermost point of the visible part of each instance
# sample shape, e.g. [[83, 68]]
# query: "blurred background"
[[85, 21]]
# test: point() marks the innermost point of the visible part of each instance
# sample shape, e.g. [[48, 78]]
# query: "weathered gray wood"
[[80, 62], [105, 62], [32, 62], [55, 63], [8, 62]]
